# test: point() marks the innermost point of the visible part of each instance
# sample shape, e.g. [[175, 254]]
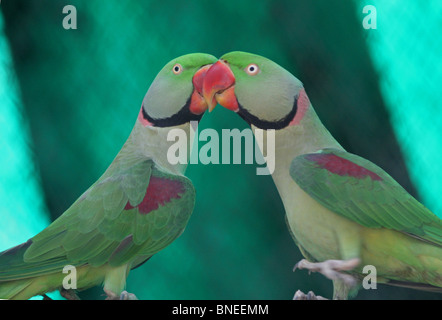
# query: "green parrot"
[[343, 211], [138, 206]]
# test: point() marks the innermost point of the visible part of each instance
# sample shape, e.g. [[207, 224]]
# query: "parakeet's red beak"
[[219, 87], [197, 102]]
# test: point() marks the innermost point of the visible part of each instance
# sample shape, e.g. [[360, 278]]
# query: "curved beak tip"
[[209, 92], [217, 79]]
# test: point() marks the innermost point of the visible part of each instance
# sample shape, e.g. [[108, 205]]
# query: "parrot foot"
[[299, 295], [69, 294], [127, 296], [123, 296], [331, 269]]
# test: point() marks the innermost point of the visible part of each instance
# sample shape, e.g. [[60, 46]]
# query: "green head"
[[259, 90], [175, 96]]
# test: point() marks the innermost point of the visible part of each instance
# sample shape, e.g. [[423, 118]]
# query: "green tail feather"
[[10, 259], [15, 289], [23, 280], [413, 285]]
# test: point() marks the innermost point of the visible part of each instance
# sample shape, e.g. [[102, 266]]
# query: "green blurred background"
[[69, 98]]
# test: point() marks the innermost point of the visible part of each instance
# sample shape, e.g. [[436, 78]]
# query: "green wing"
[[359, 190], [127, 216]]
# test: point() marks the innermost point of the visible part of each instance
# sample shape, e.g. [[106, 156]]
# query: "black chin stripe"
[[264, 124], [182, 116]]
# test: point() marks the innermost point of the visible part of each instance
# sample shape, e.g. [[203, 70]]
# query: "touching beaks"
[[219, 87], [197, 102]]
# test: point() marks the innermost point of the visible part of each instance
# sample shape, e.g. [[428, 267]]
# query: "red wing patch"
[[341, 166], [158, 192]]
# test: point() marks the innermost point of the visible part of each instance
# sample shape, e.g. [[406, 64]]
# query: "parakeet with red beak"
[[138, 206], [343, 211]]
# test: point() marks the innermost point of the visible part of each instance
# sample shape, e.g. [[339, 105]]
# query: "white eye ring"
[[252, 69], [177, 68]]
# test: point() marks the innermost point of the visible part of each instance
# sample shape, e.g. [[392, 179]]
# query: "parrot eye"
[[252, 69], [177, 68]]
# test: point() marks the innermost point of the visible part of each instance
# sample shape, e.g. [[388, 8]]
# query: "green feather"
[[104, 231], [372, 203]]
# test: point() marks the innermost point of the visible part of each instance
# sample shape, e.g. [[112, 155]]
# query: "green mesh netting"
[[23, 211], [406, 49]]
